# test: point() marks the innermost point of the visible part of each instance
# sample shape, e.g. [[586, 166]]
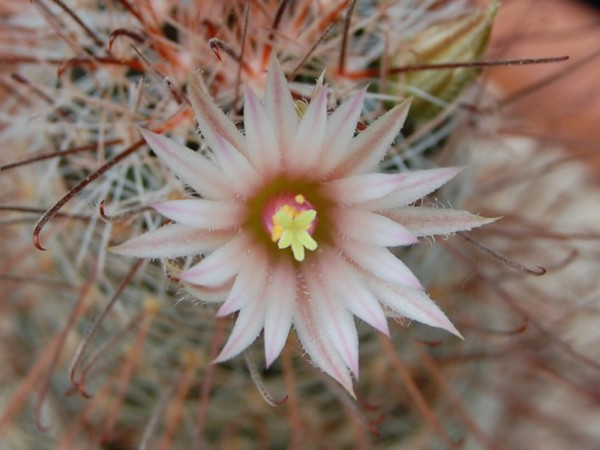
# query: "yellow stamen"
[[291, 229]]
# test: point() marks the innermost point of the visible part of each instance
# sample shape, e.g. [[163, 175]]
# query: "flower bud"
[[462, 39]]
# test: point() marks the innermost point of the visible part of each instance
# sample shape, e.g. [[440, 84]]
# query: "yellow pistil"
[[291, 229]]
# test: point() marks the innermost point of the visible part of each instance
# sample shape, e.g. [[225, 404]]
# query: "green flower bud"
[[462, 39]]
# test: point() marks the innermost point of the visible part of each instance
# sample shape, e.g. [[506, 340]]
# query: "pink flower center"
[[290, 221]]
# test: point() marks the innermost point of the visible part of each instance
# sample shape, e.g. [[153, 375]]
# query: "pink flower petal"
[[172, 241], [205, 214], [412, 187], [220, 266], [371, 228], [413, 304], [306, 149], [249, 282], [380, 262], [424, 221], [237, 169], [280, 106], [280, 297], [263, 148], [191, 167], [321, 351], [344, 281], [246, 329], [212, 120], [362, 188], [370, 146], [335, 322], [341, 126], [208, 295]]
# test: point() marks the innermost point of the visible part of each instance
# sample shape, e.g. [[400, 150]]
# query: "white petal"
[[208, 295], [413, 304], [211, 120], [424, 221], [321, 351], [236, 167], [280, 297], [362, 188], [341, 125], [344, 280], [205, 214], [371, 228], [191, 167], [220, 266], [246, 329], [280, 106], [335, 322], [370, 146], [306, 148], [263, 148], [172, 241], [249, 283], [380, 262], [412, 187]]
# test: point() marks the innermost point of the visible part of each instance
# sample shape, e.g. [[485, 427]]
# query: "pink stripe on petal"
[[370, 146], [211, 120], [191, 167], [320, 350], [280, 297], [204, 214], [263, 148], [236, 167], [413, 304], [249, 283], [172, 241], [380, 262], [414, 186], [371, 228], [246, 329], [220, 266], [345, 280], [362, 188], [306, 149], [424, 221], [341, 126], [335, 322], [279, 105]]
